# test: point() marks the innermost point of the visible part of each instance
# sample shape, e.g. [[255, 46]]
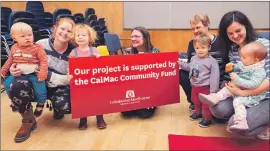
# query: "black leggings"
[[185, 83], [60, 97], [21, 94], [143, 113]]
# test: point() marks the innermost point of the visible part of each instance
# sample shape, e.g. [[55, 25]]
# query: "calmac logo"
[[130, 94]]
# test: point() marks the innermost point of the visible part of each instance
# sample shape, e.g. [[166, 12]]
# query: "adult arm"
[[14, 71], [190, 50], [264, 86], [214, 77], [43, 59]]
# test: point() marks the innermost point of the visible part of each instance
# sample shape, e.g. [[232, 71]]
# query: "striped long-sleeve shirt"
[[235, 58], [33, 54], [57, 63]]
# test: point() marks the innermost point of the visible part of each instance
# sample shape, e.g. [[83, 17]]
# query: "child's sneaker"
[[101, 124], [210, 99], [205, 123], [195, 116], [39, 109], [191, 108], [83, 124], [239, 125], [264, 135]]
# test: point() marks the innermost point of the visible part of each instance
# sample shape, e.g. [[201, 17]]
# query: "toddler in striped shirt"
[[28, 57]]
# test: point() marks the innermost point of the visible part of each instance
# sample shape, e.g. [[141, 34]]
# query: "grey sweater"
[[57, 64], [203, 72]]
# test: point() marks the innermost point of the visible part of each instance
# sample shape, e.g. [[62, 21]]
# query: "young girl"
[[251, 74], [204, 77], [84, 38]]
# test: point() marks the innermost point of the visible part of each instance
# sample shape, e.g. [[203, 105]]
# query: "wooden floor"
[[120, 134]]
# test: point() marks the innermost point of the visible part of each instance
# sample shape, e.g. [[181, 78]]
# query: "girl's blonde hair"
[[59, 22], [92, 34], [200, 18]]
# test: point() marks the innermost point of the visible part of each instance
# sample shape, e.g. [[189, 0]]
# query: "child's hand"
[[233, 76], [229, 67], [37, 69], [230, 84], [182, 60], [69, 77], [41, 79], [98, 55]]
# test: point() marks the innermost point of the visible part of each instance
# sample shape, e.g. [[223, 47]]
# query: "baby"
[[28, 56], [250, 75]]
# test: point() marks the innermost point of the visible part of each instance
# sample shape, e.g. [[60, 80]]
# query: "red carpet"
[[181, 142]]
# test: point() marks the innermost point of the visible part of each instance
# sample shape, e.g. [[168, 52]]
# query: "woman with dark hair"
[[141, 43], [235, 31]]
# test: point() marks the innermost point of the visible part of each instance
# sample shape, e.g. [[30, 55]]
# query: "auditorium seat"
[[60, 11], [113, 44]]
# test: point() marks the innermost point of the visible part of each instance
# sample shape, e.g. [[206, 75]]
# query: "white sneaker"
[[264, 135]]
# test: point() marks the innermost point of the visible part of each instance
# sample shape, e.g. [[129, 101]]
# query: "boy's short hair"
[[200, 18], [92, 34], [16, 26], [202, 39]]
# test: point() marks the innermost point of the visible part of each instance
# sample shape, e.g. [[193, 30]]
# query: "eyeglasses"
[[135, 36]]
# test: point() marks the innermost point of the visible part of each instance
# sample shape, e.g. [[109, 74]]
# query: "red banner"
[[121, 83]]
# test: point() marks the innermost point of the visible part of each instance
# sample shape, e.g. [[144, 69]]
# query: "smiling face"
[[200, 24], [237, 33], [137, 39], [63, 32], [198, 29]]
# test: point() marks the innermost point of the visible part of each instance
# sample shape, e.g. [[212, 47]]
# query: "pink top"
[[83, 53]]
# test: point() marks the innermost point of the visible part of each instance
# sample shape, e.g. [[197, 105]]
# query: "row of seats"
[[41, 22]]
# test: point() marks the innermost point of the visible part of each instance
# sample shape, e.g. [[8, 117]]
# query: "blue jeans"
[[39, 87]]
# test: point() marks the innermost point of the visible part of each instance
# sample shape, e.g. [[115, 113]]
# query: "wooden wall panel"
[[165, 40], [111, 11]]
